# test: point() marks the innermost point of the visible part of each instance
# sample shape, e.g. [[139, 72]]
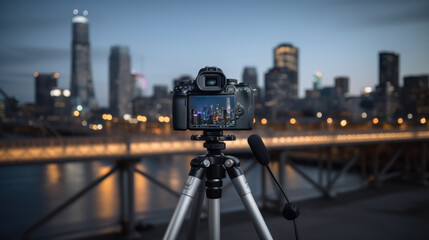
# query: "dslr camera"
[[213, 102]]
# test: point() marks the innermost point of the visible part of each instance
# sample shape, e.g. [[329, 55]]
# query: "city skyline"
[[34, 41]]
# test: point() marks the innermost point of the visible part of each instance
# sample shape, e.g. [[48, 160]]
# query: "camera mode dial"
[[230, 89], [181, 89]]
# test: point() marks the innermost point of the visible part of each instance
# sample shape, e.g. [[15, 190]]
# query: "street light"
[[292, 121], [375, 120], [343, 123], [264, 121]]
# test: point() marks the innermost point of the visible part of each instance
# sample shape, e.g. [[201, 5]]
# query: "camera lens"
[[211, 81]]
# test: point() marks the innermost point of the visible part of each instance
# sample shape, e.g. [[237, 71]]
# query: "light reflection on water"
[[107, 193], [27, 193], [141, 186]]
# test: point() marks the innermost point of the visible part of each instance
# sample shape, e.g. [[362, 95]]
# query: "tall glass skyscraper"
[[286, 56], [388, 69], [82, 88], [250, 76], [120, 81], [281, 81]]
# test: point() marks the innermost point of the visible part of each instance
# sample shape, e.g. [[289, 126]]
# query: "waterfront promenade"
[[397, 211]]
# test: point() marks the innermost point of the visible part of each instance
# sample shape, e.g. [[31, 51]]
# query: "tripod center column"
[[214, 175]]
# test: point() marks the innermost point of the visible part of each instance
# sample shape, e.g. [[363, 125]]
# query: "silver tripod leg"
[[197, 206], [214, 218], [176, 221], [242, 188]]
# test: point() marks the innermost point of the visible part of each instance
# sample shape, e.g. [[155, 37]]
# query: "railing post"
[[263, 187], [375, 176], [126, 195], [329, 166], [424, 162], [131, 219], [320, 165], [282, 161], [122, 200]]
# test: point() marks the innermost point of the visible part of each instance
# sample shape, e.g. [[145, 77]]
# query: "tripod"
[[213, 166]]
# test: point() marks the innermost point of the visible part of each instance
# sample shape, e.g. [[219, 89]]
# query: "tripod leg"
[[196, 214], [188, 193], [214, 218], [242, 188]]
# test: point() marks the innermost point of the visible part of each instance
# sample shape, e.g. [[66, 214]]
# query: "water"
[[27, 193]]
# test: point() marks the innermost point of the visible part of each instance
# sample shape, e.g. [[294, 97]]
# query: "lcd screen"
[[214, 111]]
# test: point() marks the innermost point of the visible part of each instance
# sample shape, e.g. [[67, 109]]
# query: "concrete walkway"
[[395, 211]]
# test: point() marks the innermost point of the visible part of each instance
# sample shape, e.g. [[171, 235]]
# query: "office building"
[[414, 95], [153, 107], [250, 76], [388, 69], [160, 91], [61, 109], [44, 83], [120, 81], [281, 91], [139, 83], [281, 81], [387, 92], [82, 88], [286, 56], [342, 85]]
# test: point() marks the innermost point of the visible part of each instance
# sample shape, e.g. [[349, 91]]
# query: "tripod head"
[[213, 140]]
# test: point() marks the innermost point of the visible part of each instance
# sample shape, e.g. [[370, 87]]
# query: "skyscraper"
[[281, 91], [414, 96], [139, 83], [286, 56], [386, 97], [281, 81], [44, 84], [82, 89], [120, 81], [388, 69], [342, 85], [250, 76]]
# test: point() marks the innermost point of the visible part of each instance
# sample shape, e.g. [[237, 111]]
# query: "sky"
[[168, 39]]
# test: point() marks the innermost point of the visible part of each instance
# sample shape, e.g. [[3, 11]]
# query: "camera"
[[213, 102]]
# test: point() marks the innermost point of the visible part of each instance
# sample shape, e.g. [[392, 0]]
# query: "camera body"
[[213, 102]]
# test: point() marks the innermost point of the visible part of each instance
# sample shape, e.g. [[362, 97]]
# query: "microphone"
[[290, 210], [258, 149]]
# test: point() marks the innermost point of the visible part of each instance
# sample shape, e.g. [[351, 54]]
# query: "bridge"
[[364, 149], [30, 151]]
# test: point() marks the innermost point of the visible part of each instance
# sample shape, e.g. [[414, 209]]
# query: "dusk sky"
[[170, 38]]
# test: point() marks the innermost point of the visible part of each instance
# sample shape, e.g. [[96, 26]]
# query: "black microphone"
[[258, 149], [290, 210]]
